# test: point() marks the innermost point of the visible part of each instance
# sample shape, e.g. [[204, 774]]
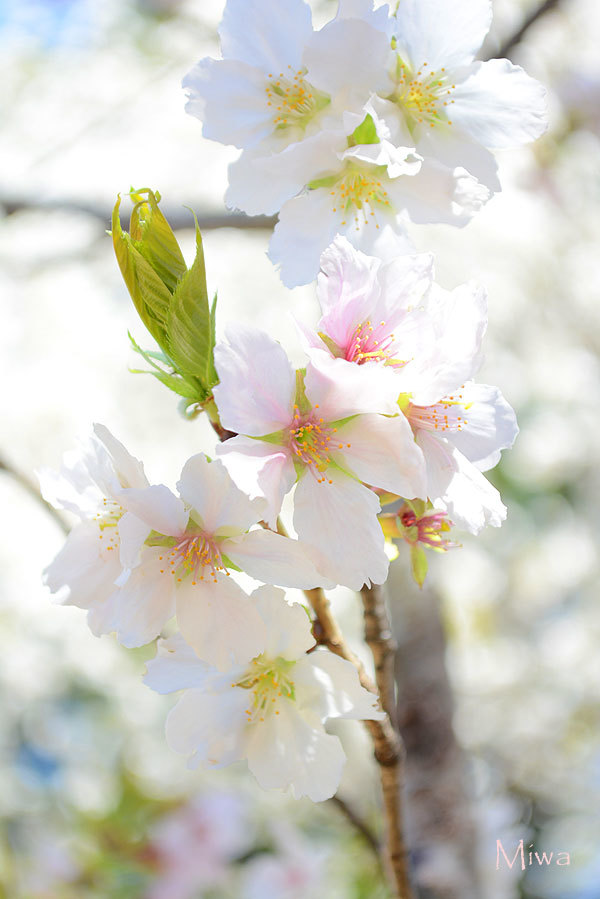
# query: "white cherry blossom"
[[184, 566], [91, 484], [454, 108], [269, 711], [330, 431]]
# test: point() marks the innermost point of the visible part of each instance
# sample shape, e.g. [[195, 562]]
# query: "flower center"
[[442, 416], [372, 343], [294, 100], [360, 193], [424, 95], [197, 555], [107, 519], [269, 682], [310, 440]]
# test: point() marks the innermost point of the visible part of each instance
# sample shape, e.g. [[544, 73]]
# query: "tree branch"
[[358, 823], [178, 218], [379, 638], [34, 492], [512, 40]]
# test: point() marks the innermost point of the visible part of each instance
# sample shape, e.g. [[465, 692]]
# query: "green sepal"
[[419, 564], [300, 400], [150, 295], [385, 499], [190, 389], [331, 345], [153, 237], [327, 181], [190, 323], [156, 539], [365, 133], [404, 401], [229, 564]]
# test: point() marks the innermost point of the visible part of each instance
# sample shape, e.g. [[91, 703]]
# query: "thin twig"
[[511, 42], [34, 492], [178, 218], [358, 823]]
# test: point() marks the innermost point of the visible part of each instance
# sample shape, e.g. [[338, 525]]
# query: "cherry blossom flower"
[[329, 430], [269, 711], [453, 108], [279, 81], [91, 484], [184, 565], [364, 182], [392, 318]]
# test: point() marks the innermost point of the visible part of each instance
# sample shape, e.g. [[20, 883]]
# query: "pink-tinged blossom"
[[330, 431], [269, 711], [391, 322], [195, 845], [296, 870], [91, 484], [183, 567]]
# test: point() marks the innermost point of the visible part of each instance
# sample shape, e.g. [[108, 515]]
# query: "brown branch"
[[379, 637], [358, 823], [178, 218], [34, 492], [512, 40]]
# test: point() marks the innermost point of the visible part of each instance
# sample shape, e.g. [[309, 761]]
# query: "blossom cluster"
[[377, 117], [344, 131]]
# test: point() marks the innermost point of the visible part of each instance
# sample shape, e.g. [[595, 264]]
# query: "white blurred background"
[[92, 802]]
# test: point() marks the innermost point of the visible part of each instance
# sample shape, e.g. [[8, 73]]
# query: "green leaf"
[[418, 558], [190, 389], [190, 323], [150, 296], [365, 133], [153, 237]]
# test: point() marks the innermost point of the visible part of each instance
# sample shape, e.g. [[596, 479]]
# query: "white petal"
[[274, 559], [220, 622], [175, 667], [346, 54], [330, 685], [440, 33], [459, 320], [71, 488], [285, 751], [363, 9], [133, 533], [347, 279], [129, 469], [158, 507], [208, 726], [499, 105], [341, 388], [229, 96], [261, 182], [490, 426], [382, 452], [257, 385], [456, 486], [340, 521], [439, 194], [455, 149], [260, 469], [84, 571], [217, 504], [307, 224], [265, 35], [142, 606], [288, 627]]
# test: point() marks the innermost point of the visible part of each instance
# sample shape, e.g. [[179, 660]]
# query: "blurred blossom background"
[[499, 669]]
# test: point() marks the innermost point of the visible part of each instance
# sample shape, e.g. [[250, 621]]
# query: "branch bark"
[[388, 749], [505, 48]]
